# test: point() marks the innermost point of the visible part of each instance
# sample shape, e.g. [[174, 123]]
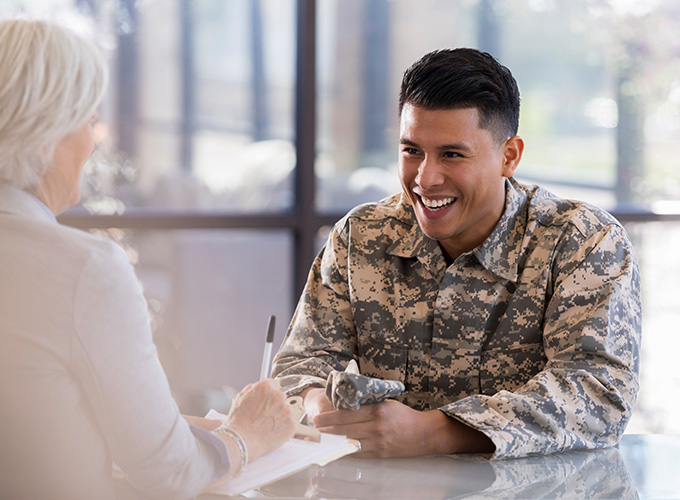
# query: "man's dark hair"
[[464, 78]]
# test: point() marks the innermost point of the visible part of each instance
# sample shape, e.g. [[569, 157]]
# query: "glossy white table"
[[641, 466]]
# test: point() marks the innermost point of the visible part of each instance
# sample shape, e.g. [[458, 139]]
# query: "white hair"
[[51, 82]]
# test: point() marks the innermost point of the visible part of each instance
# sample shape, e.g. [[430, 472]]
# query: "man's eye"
[[411, 151], [452, 154]]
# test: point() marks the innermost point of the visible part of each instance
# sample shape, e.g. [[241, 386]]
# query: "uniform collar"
[[499, 253], [413, 243]]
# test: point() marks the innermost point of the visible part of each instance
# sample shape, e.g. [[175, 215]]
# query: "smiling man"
[[510, 316], [453, 172]]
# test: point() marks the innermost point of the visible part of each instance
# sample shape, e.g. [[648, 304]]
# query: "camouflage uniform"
[[349, 391], [532, 338]]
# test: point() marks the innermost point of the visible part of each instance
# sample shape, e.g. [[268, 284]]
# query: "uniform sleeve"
[[114, 357], [322, 335], [585, 395]]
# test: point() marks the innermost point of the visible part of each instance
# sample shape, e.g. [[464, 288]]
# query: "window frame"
[[305, 219]]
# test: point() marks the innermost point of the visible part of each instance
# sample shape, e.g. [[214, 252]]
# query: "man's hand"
[[392, 429]]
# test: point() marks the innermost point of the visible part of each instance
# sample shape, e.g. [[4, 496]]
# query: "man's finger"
[[358, 430], [341, 417]]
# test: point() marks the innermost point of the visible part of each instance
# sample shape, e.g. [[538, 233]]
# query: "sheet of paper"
[[292, 457]]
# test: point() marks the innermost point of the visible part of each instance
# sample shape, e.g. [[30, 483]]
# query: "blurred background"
[[235, 132]]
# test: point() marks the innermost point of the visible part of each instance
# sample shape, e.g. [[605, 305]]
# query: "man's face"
[[453, 172]]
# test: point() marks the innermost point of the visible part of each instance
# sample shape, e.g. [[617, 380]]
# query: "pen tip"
[[270, 328]]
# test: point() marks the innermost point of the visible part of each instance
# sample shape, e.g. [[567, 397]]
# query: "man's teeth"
[[437, 203]]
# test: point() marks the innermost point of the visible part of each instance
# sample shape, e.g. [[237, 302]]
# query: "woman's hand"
[[261, 414], [316, 402]]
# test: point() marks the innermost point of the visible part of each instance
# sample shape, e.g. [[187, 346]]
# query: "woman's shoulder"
[[54, 246], [95, 250]]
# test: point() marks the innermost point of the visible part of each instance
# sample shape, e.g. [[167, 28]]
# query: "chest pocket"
[[381, 359], [510, 368]]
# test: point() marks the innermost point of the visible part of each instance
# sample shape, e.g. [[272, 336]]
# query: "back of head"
[[51, 82], [464, 78]]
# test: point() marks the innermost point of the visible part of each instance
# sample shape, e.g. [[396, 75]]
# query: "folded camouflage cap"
[[348, 390]]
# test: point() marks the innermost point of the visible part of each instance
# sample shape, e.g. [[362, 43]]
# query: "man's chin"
[[434, 234]]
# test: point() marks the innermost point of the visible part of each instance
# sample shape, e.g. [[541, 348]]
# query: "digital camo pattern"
[[532, 338], [585, 474], [348, 391], [591, 474], [598, 473]]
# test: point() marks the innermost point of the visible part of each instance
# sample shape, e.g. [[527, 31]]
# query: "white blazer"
[[80, 382]]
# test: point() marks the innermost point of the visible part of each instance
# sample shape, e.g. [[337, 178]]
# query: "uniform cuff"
[[488, 417]]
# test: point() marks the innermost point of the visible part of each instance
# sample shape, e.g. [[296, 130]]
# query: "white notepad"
[[295, 455]]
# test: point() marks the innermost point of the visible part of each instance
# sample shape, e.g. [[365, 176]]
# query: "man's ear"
[[512, 154]]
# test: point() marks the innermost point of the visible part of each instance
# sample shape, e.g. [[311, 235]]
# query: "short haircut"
[[464, 78], [51, 82]]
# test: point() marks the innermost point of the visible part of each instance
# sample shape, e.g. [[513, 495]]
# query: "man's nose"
[[430, 173]]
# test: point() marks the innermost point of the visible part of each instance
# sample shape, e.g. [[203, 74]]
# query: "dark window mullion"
[[305, 142], [188, 79], [161, 219]]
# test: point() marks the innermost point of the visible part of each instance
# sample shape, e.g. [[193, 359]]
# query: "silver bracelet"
[[239, 442]]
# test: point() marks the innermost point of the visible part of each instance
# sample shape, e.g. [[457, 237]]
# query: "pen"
[[266, 356]]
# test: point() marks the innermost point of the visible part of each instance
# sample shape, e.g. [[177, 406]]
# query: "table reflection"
[[579, 474]]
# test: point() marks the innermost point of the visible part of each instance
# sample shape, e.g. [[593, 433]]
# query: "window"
[[234, 133]]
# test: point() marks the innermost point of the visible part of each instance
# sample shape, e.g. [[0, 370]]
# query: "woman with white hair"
[[80, 382]]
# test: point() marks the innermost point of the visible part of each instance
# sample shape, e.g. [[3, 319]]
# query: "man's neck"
[[447, 257]]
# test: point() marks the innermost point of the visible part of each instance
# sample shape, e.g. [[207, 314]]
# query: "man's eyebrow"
[[407, 142], [459, 146]]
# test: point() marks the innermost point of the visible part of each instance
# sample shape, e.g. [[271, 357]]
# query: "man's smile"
[[436, 204]]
